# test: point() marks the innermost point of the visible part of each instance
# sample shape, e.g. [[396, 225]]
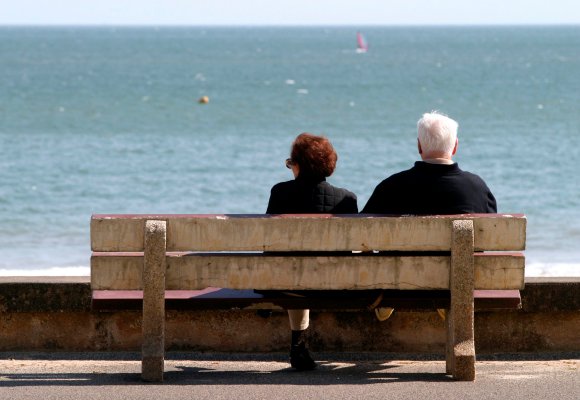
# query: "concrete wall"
[[39, 314]]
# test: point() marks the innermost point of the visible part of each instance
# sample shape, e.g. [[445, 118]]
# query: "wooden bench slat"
[[493, 232], [263, 271], [224, 299]]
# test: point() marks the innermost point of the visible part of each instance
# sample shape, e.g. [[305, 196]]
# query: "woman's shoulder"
[[338, 191], [342, 200], [337, 195], [279, 197], [286, 185]]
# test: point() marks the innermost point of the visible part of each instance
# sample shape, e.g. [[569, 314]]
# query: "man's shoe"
[[384, 313]]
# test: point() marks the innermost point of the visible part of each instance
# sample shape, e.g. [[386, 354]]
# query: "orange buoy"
[[203, 100]]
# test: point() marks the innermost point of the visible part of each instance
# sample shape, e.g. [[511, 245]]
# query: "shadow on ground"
[[243, 373], [236, 369]]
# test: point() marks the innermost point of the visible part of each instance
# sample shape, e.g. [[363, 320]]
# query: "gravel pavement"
[[43, 376]]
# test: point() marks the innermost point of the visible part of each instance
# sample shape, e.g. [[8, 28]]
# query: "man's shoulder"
[[398, 177], [472, 177]]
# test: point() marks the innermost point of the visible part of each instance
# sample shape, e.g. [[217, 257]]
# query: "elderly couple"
[[434, 185]]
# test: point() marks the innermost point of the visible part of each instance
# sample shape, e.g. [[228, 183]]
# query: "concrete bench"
[[432, 261]]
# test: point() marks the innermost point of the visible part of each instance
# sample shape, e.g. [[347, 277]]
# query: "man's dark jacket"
[[305, 195], [431, 189]]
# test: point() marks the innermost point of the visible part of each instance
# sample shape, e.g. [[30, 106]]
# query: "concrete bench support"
[[153, 351], [460, 349]]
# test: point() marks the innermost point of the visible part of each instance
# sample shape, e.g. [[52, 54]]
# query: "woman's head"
[[314, 156]]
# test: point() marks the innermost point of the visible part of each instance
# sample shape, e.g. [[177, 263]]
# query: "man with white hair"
[[435, 185]]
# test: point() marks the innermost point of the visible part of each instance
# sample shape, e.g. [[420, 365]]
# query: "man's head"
[[437, 136]]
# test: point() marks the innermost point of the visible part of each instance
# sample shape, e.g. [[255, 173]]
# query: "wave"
[[547, 269], [51, 271]]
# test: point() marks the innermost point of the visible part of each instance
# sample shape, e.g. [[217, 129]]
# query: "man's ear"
[[420, 149], [455, 148]]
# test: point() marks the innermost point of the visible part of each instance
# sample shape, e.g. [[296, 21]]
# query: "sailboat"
[[362, 46]]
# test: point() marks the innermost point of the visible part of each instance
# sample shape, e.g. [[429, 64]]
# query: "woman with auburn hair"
[[312, 160]]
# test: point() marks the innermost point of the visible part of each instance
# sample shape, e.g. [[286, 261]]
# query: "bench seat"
[[221, 298]]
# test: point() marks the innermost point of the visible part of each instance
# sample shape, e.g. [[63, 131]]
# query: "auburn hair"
[[314, 155]]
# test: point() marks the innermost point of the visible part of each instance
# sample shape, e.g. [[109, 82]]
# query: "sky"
[[288, 12]]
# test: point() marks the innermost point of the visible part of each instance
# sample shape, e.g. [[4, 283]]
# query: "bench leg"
[[460, 353], [449, 345], [153, 351]]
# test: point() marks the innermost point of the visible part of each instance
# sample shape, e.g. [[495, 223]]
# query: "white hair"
[[437, 133]]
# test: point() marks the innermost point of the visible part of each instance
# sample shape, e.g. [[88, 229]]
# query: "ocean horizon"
[[102, 120]]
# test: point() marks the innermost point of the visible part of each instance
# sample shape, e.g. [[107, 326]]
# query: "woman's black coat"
[[310, 196]]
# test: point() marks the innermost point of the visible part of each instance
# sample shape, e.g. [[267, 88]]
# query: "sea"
[[107, 120]]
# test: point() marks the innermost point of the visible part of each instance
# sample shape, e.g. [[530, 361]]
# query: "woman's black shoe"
[[299, 355], [300, 358]]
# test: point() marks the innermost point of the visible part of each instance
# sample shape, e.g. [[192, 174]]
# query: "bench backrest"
[[117, 242]]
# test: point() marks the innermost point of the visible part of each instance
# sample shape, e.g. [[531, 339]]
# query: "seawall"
[[54, 314]]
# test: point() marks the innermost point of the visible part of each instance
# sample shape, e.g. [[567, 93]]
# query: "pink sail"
[[361, 43]]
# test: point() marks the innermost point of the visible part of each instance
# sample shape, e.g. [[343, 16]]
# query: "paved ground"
[[109, 376]]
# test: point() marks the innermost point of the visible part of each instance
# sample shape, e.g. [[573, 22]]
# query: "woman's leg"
[[300, 357], [299, 319]]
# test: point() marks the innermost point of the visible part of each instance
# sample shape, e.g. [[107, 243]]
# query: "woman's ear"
[[295, 170]]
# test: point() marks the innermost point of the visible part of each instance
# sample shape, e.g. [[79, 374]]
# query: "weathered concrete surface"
[[551, 294], [493, 271], [58, 318], [153, 321], [315, 232], [460, 347], [44, 294]]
